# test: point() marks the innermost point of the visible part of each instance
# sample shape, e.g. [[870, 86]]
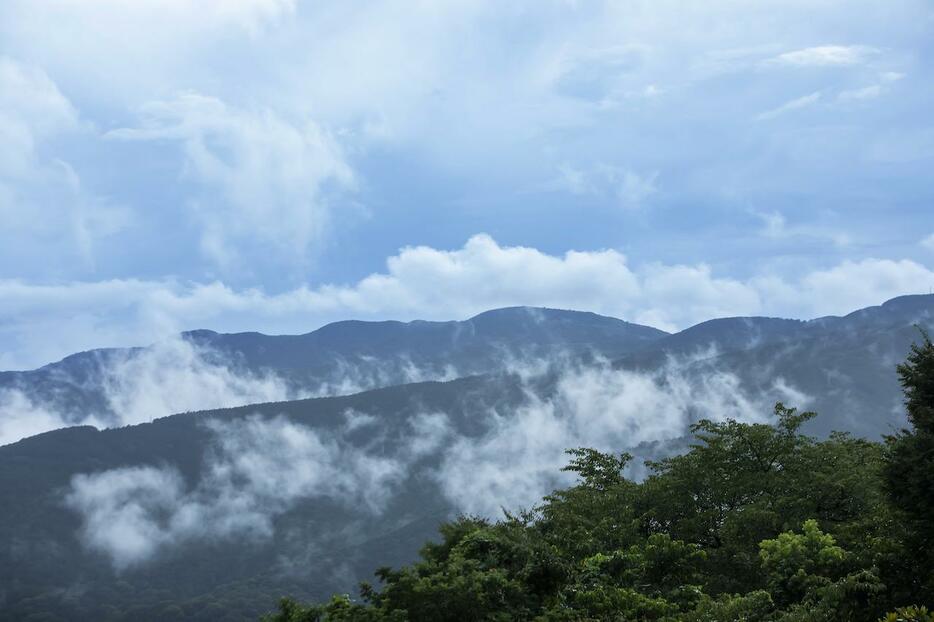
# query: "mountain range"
[[213, 514]]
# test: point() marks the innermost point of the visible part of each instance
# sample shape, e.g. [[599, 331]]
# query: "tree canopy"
[[754, 522]]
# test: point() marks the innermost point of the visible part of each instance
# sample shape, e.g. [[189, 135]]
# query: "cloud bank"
[[258, 469], [137, 386], [255, 470], [45, 322], [518, 459], [22, 416]]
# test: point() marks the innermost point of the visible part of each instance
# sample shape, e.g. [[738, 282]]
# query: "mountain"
[[214, 514], [841, 367], [46, 565], [339, 358]]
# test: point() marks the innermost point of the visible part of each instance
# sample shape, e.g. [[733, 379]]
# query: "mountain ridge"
[[405, 455]]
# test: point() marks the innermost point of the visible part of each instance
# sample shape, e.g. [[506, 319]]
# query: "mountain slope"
[[212, 515], [340, 358], [842, 367]]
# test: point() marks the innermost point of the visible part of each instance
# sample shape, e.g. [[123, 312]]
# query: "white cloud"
[[256, 470], [886, 80], [867, 92], [207, 14], [259, 468], [629, 189], [20, 416], [174, 376], [44, 322], [827, 55], [264, 179], [635, 189], [41, 197], [928, 242], [31, 109], [435, 92], [789, 106], [775, 226], [126, 53], [850, 283], [517, 460], [139, 385]]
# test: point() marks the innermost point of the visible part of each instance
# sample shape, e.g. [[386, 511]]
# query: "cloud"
[[42, 200], [827, 56], [866, 92], [852, 281], [135, 386], [775, 226], [256, 470], [517, 460], [129, 388], [421, 282], [21, 416], [627, 188], [175, 376], [116, 53], [264, 180], [425, 124], [928, 242], [31, 109], [795, 104], [885, 81], [207, 14]]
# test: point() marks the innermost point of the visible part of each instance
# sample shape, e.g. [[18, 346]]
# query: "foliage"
[[909, 614], [909, 469], [754, 522]]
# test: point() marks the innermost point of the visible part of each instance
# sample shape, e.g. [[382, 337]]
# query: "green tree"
[[796, 564], [909, 472]]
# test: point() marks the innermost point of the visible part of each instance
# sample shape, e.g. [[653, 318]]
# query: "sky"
[[274, 165]]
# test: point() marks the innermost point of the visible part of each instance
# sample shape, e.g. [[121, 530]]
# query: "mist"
[[257, 469], [21, 417], [518, 460], [129, 387]]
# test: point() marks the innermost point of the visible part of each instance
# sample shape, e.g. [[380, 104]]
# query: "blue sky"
[[273, 165]]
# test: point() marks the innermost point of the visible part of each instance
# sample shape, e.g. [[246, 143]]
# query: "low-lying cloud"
[[518, 459], [136, 386], [21, 416], [257, 469], [177, 375]]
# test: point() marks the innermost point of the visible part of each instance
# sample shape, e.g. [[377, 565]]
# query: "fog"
[[136, 386], [256, 469]]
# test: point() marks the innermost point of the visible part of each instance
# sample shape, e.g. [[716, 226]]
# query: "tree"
[[909, 470], [796, 564]]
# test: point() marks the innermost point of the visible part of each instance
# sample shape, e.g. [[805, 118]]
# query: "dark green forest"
[[754, 522]]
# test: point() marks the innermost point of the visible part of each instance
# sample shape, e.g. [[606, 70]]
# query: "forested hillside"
[[211, 370], [754, 522], [214, 515]]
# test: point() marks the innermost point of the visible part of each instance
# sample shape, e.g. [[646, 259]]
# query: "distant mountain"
[[45, 567], [842, 367], [213, 515], [339, 358], [482, 344]]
